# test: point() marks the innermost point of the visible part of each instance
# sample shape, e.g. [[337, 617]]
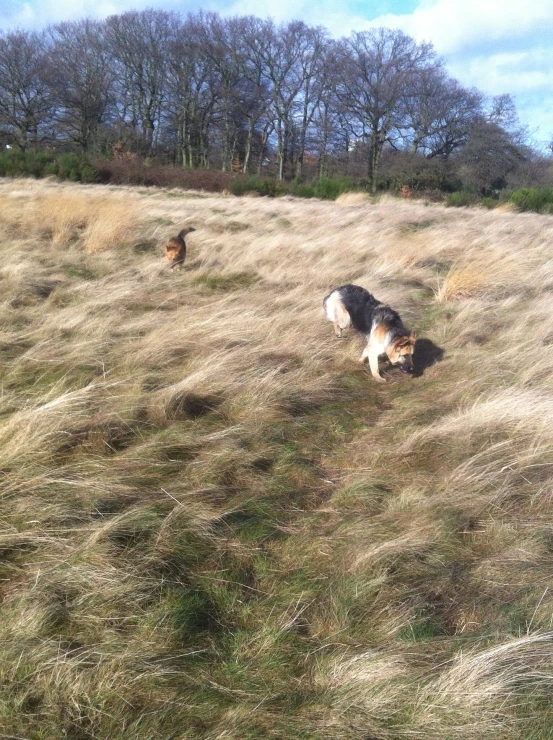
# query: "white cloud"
[[313, 12], [453, 24], [40, 13], [516, 72]]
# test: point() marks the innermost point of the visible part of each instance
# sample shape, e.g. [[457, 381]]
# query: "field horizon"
[[217, 526]]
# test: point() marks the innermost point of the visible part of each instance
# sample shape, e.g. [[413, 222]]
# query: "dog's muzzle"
[[407, 369]]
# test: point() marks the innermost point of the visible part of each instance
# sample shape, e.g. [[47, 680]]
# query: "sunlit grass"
[[216, 525]]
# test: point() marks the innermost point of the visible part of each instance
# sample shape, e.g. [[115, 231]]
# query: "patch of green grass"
[[365, 496], [232, 226], [160, 221], [183, 194], [83, 273], [422, 627], [235, 226], [283, 223], [226, 282], [194, 615], [146, 246], [412, 227]]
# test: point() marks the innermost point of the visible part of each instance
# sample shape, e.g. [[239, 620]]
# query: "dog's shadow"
[[425, 355]]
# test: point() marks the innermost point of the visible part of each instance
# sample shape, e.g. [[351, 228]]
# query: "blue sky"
[[499, 46]]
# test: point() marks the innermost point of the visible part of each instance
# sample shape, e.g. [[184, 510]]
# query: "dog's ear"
[[413, 337]]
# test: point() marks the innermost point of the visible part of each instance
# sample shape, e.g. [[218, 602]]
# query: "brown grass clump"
[[216, 525], [353, 199], [63, 217], [461, 282]]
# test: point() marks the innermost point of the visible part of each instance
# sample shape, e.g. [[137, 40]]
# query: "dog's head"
[[400, 352]]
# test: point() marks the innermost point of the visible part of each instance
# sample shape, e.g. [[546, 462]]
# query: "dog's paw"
[[379, 379]]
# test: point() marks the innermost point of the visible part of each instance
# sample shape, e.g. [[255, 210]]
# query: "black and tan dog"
[[351, 305], [175, 249]]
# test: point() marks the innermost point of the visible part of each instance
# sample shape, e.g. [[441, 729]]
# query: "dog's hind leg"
[[337, 313], [343, 320]]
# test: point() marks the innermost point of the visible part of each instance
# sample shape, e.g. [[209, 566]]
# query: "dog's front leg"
[[372, 353]]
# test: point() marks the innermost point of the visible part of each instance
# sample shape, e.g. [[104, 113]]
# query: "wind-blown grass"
[[216, 525]]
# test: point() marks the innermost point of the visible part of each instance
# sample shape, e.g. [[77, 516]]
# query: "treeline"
[[244, 95]]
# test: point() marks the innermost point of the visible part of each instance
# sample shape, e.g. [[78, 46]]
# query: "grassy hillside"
[[216, 525]]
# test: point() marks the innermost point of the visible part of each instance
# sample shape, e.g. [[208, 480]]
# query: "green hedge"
[[328, 188], [67, 166], [539, 200], [460, 199]]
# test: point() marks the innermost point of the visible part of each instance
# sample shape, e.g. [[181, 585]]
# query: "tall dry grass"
[[216, 525], [97, 222]]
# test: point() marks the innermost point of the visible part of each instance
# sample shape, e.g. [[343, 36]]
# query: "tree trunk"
[[280, 151], [248, 150], [375, 148]]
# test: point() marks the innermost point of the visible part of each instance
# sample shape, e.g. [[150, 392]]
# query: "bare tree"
[[283, 55], [333, 132], [259, 40], [252, 103], [138, 43], [440, 112], [502, 111], [80, 75], [191, 93], [222, 45], [377, 67], [25, 103], [315, 73]]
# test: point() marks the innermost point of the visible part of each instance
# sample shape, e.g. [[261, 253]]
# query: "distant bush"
[[328, 188], [539, 200], [490, 203], [460, 199], [260, 185], [67, 166], [409, 169], [75, 167]]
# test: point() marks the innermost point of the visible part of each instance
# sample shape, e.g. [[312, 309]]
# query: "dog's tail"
[[183, 232]]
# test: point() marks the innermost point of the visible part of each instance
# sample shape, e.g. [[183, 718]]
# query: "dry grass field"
[[216, 526]]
